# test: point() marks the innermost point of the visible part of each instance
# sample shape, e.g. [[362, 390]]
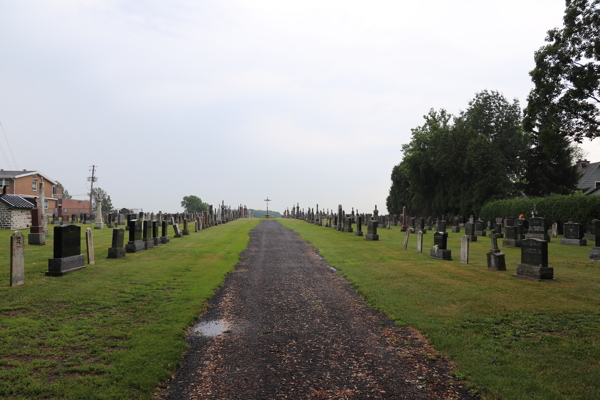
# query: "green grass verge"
[[510, 338], [116, 329]]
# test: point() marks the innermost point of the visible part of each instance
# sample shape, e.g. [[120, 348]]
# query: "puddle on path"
[[212, 328]]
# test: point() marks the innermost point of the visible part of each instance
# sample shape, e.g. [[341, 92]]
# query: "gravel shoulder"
[[295, 329]]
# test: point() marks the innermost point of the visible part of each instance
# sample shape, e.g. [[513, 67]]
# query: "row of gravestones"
[[534, 248], [67, 257]]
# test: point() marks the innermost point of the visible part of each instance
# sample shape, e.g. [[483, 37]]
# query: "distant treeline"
[[262, 213]]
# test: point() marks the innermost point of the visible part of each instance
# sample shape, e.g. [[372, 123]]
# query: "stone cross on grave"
[[375, 213], [534, 211]]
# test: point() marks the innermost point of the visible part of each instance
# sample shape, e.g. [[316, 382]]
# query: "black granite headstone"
[[440, 239], [67, 241], [118, 238], [573, 231], [135, 230], [534, 252]]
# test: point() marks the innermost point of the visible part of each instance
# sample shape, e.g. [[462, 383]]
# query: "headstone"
[[555, 230], [372, 227], [420, 225], [573, 234], [118, 241], [42, 207], [165, 232], [439, 249], [17, 259], [420, 236], [479, 228], [67, 251], [36, 235], [429, 223], [514, 236], [470, 232], [404, 219], [155, 236], [147, 235], [358, 226], [406, 235], [177, 230], [534, 260], [495, 258], [537, 229], [591, 231], [89, 245], [347, 224], [99, 222], [185, 227], [455, 225], [594, 253], [464, 249], [136, 242]]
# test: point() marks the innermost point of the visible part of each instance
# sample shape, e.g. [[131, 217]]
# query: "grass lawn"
[[510, 338], [116, 329]]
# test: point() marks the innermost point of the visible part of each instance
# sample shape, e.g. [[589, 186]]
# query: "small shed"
[[15, 212]]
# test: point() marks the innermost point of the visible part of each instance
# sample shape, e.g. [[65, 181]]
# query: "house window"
[[34, 186], [3, 182], [53, 190], [597, 184]]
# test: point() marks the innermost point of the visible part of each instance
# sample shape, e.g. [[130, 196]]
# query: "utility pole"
[[92, 179], [267, 200]]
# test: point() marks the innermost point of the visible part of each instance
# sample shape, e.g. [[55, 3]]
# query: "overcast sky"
[[304, 102]]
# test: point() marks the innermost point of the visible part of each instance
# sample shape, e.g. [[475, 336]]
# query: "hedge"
[[575, 207]]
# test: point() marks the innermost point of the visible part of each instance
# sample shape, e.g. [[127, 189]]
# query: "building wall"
[[13, 218], [71, 206], [590, 181]]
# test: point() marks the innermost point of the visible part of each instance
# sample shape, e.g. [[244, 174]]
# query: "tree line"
[[454, 164]]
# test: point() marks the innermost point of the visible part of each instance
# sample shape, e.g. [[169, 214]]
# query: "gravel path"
[[297, 330]]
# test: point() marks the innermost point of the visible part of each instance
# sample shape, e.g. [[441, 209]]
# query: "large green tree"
[[456, 164], [193, 204], [567, 76]]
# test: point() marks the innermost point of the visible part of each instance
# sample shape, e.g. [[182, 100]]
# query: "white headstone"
[[464, 249], [420, 241], [99, 222], [89, 244], [17, 259], [406, 235]]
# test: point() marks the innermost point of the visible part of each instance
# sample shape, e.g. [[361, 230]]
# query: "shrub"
[[575, 207]]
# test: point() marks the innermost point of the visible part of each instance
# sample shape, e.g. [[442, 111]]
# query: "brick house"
[[15, 211], [27, 184]]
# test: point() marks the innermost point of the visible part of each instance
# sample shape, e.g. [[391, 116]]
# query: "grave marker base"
[[574, 242], [164, 239], [359, 233], [157, 241], [534, 272], [134, 247], [65, 265], [440, 254], [38, 239], [371, 236], [455, 229], [116, 252], [347, 230], [472, 238], [149, 243]]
